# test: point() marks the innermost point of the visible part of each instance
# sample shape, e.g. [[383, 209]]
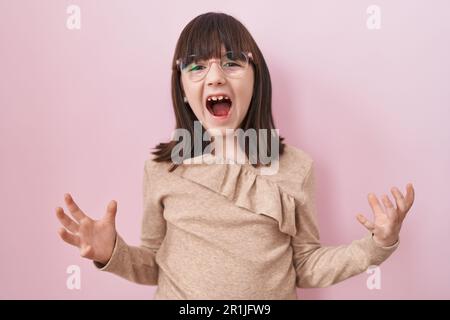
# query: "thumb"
[[366, 223], [111, 211]]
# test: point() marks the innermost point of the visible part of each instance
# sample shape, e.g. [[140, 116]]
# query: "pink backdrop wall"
[[80, 110]]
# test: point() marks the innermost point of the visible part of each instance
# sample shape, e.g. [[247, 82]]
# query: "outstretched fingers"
[[375, 204], [111, 211], [66, 221], [404, 203], [75, 211], [391, 210], [409, 198], [69, 237]]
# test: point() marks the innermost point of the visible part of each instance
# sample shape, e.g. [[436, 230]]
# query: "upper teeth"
[[215, 98]]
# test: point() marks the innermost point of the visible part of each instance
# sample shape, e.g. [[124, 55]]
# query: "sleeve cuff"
[[376, 253], [394, 246]]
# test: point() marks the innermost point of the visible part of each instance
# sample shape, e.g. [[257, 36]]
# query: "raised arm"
[[321, 266], [99, 241], [138, 263]]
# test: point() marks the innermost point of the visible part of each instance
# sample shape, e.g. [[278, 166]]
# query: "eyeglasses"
[[232, 64]]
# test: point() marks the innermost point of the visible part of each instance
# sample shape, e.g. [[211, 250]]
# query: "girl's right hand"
[[94, 238]]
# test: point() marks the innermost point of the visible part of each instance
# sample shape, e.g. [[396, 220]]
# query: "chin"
[[221, 130]]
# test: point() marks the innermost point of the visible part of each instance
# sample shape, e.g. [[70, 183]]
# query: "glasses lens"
[[194, 67], [232, 64]]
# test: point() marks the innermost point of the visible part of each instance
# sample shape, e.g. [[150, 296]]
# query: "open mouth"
[[219, 106]]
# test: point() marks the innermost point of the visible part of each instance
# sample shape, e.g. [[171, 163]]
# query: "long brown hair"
[[204, 37]]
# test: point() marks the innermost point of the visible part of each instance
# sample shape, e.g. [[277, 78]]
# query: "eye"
[[195, 67], [231, 64]]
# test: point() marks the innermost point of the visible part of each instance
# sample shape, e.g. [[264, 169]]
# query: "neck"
[[227, 147]]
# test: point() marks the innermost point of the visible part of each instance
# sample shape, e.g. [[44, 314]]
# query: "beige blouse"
[[225, 231]]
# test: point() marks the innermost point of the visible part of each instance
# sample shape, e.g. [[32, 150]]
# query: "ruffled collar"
[[244, 186]]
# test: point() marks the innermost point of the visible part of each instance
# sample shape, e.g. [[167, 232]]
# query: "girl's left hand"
[[388, 220]]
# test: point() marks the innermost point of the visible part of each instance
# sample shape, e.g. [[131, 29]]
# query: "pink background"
[[80, 110]]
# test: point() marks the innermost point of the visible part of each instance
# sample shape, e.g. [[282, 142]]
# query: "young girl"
[[226, 231]]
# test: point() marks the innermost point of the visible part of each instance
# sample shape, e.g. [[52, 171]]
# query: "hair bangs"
[[208, 33]]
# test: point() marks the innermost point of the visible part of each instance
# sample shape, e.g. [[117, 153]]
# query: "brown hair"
[[204, 36]]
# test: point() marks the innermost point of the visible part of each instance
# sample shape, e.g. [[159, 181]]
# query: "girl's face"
[[203, 97]]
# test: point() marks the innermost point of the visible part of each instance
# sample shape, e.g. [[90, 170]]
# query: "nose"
[[215, 75]]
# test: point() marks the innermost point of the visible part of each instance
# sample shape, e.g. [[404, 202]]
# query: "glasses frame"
[[248, 56]]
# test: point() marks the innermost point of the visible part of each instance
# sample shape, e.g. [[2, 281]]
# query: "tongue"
[[221, 109]]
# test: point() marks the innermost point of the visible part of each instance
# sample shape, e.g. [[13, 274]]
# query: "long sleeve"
[[321, 266], [138, 263]]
